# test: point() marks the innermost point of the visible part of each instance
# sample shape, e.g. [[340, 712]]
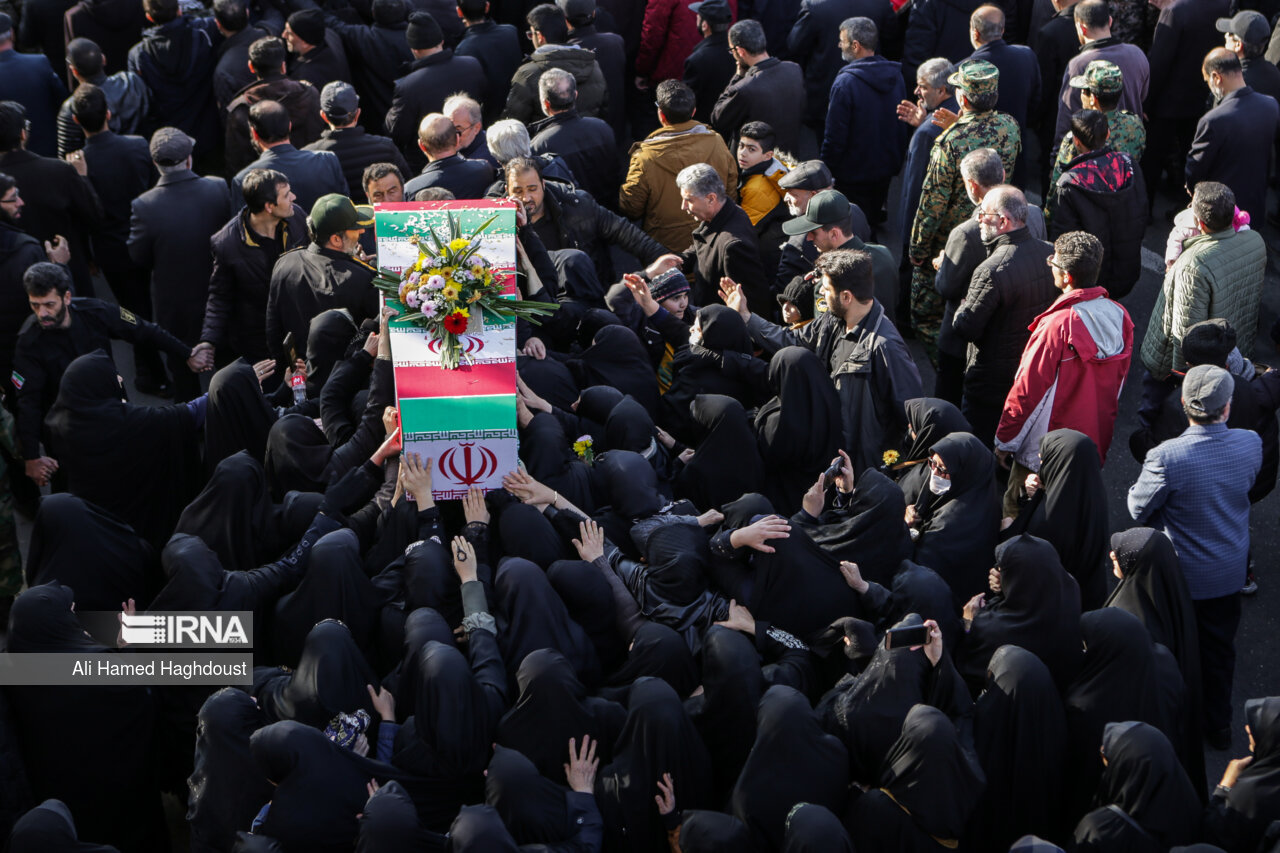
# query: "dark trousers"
[[948, 383], [983, 415], [1168, 140], [1216, 621], [1154, 392], [131, 285]]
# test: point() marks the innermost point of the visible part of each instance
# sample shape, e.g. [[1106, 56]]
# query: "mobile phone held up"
[[903, 638]]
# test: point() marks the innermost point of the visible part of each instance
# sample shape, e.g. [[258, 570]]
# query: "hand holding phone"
[[906, 637]]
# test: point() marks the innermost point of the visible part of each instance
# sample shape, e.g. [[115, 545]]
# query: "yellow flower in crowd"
[[449, 292], [890, 457]]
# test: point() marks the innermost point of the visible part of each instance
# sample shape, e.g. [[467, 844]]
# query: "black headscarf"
[[799, 430], [87, 548], [524, 532], [1019, 735], [813, 828], [320, 787], [328, 339], [960, 526], [699, 369], [703, 831], [586, 593], [227, 789], [533, 807], [1143, 777], [868, 712], [334, 587], [531, 616], [90, 746], [421, 626], [617, 358], [630, 427], [726, 464], [799, 586], [552, 707], [547, 454], [96, 436], [792, 761], [1070, 510], [928, 773], [389, 824], [549, 379], [1038, 608], [1154, 590], [330, 679], [239, 417], [725, 711], [1120, 680], [631, 484], [656, 651], [50, 828], [234, 515], [919, 589], [479, 829], [932, 420], [658, 737], [869, 530], [1254, 801], [296, 457]]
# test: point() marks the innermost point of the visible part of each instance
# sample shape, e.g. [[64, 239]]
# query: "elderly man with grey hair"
[[724, 243], [981, 170], [932, 92], [468, 120], [1019, 73], [586, 144], [509, 139], [1007, 292]]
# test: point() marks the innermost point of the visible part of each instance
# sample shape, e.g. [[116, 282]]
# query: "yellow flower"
[[459, 244], [890, 457], [431, 272], [449, 292], [475, 297], [478, 270]]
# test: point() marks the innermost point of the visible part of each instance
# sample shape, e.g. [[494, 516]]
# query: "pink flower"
[[428, 309], [413, 278], [411, 299]]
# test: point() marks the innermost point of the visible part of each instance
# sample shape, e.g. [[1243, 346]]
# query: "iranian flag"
[[464, 420]]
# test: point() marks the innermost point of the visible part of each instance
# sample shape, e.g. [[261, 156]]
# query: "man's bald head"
[[1222, 71], [986, 25], [437, 137]]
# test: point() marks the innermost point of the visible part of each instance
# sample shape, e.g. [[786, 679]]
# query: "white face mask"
[[695, 336], [938, 485]]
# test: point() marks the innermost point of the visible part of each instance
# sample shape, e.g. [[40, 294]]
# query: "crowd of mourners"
[[750, 589]]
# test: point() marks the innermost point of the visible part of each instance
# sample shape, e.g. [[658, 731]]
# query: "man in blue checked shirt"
[[1196, 488]]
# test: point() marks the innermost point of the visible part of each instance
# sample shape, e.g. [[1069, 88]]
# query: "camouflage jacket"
[[1128, 136], [944, 204]]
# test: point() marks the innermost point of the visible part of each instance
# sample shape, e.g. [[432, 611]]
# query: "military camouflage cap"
[[1100, 76], [976, 76]]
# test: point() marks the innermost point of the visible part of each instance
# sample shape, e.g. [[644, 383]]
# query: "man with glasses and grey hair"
[[724, 243], [509, 139], [1007, 292]]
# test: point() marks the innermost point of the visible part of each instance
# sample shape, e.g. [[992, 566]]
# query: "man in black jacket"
[[1246, 35], [496, 47], [244, 252], [438, 139], [1008, 290], [318, 55], [326, 274], [813, 47], [127, 96], [58, 200], [169, 235], [436, 73], [120, 169], [565, 218], [936, 28], [311, 173], [1101, 192], [231, 71], [710, 67], [1019, 74], [610, 51], [764, 89], [175, 59], [354, 148], [377, 54], [1054, 44], [586, 144], [549, 32], [18, 250], [267, 60], [724, 243]]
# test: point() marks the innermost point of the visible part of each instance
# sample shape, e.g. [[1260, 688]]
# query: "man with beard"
[[18, 251], [60, 330], [799, 252], [326, 274]]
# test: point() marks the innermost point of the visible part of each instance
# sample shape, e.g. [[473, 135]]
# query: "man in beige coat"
[[649, 192]]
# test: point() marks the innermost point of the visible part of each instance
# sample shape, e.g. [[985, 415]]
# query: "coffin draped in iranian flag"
[[463, 419]]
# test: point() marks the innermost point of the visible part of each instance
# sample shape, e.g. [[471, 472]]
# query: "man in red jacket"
[[1073, 367]]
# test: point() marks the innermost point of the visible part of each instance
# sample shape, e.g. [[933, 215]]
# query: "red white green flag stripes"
[[464, 420]]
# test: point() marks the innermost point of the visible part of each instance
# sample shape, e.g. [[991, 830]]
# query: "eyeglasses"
[[1052, 261], [939, 469], [462, 128], [988, 214], [530, 33], [13, 199]]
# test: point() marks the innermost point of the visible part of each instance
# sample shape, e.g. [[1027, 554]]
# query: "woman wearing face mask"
[[955, 518]]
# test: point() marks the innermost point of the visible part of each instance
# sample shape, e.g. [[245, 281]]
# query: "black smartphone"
[[901, 638], [291, 349], [829, 475]]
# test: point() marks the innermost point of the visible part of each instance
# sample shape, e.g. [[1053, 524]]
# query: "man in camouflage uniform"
[[944, 204], [1100, 88]]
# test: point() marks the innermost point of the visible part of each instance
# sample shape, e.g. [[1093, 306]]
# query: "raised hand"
[[666, 798], [591, 545], [473, 506], [384, 702], [732, 294], [756, 535], [640, 291], [580, 772], [464, 559]]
